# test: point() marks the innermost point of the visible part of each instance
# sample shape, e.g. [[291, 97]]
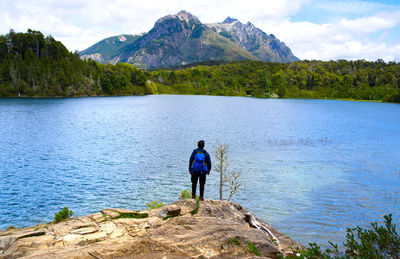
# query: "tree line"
[[34, 65], [360, 80]]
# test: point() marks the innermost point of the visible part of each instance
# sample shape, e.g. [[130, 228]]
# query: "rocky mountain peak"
[[230, 20], [249, 37], [182, 15], [249, 24]]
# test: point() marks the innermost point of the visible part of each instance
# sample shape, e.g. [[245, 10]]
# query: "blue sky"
[[324, 29]]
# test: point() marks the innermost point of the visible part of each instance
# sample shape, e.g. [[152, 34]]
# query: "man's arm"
[[208, 161], [191, 159]]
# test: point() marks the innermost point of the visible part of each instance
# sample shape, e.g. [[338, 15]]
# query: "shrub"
[[232, 177], [187, 194], [377, 242], [154, 205], [62, 215], [380, 241]]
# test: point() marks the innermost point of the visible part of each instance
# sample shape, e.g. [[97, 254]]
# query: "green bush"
[[62, 215], [379, 242], [154, 205], [187, 194], [376, 242]]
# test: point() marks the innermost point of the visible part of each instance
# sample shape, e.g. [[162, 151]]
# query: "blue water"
[[311, 167]]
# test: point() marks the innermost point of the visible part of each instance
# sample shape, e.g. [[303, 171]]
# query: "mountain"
[[178, 40], [263, 46], [181, 39], [104, 51]]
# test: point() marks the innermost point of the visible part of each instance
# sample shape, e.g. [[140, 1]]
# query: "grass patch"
[[131, 215], [170, 216], [10, 228], [234, 241], [252, 248], [194, 212]]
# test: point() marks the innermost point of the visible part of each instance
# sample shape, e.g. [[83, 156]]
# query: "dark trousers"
[[195, 178]]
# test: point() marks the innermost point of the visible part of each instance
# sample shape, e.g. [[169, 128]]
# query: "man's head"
[[200, 144]]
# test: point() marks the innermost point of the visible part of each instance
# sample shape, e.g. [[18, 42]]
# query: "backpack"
[[199, 164]]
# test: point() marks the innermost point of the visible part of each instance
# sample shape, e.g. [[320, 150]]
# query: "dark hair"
[[200, 144]]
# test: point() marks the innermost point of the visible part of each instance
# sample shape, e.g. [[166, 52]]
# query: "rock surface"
[[263, 46], [184, 229]]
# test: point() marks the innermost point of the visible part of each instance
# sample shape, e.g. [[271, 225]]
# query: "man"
[[199, 167]]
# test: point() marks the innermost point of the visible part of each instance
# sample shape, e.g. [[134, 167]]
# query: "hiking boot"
[[201, 199]]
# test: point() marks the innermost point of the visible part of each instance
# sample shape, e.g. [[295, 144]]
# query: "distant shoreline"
[[295, 98]]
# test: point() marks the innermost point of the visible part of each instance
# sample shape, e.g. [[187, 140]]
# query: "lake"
[[311, 167]]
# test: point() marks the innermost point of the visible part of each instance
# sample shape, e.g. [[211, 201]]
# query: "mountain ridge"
[[248, 36], [104, 50], [181, 38]]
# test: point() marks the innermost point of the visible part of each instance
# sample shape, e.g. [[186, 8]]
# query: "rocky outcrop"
[[209, 229], [263, 46]]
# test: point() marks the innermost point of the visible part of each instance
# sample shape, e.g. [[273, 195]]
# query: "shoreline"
[[257, 97]]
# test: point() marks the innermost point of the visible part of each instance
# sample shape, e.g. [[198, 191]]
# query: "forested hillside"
[[34, 65], [305, 79]]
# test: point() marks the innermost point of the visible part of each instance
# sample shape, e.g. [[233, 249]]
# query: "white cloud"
[[345, 39], [377, 22], [350, 6], [79, 23]]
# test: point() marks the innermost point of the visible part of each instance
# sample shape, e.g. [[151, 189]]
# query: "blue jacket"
[[208, 160]]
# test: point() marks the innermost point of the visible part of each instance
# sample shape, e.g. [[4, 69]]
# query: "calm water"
[[311, 167]]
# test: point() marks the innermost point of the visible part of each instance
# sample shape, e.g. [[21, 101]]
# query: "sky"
[[313, 29]]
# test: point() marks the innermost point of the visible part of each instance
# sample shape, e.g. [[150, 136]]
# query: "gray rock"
[[6, 242], [265, 47], [171, 210], [205, 234]]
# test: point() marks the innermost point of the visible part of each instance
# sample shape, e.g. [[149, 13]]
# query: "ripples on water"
[[311, 167]]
